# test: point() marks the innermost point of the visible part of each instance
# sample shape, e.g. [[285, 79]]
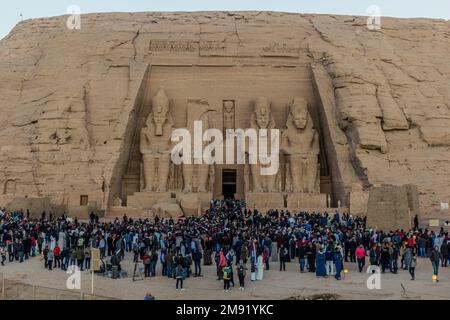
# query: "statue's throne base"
[[292, 202], [147, 199], [264, 200], [306, 201]]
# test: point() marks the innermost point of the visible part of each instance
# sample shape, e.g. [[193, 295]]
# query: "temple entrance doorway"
[[228, 183]]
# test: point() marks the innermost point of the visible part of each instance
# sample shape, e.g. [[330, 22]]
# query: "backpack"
[[180, 272], [226, 273]]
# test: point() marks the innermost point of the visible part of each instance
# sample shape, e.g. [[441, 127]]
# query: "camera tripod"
[[137, 271]]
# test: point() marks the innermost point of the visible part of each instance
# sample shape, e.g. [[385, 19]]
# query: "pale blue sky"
[[11, 10]]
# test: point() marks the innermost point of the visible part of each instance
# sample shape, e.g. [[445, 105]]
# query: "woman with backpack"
[[179, 273], [226, 278]]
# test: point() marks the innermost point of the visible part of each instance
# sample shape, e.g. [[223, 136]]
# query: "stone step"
[[146, 200], [119, 212]]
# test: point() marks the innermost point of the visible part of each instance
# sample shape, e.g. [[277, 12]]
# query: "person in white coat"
[[62, 240], [260, 267], [438, 241], [52, 243]]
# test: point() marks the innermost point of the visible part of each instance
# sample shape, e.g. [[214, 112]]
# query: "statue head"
[[160, 104], [299, 112], [263, 114], [228, 105]]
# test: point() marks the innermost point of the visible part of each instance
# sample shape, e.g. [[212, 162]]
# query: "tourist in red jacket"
[[33, 246], [57, 254], [360, 257]]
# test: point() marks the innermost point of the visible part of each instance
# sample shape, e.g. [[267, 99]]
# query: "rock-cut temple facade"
[[86, 115]]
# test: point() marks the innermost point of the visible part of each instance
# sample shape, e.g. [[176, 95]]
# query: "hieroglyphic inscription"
[[173, 46], [277, 49], [186, 46], [218, 48]]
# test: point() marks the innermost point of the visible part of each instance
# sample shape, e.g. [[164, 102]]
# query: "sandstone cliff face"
[[69, 98]]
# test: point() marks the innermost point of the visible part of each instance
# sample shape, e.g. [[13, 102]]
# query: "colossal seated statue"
[[262, 118], [155, 144], [300, 143]]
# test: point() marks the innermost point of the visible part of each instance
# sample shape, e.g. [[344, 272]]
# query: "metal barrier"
[[17, 290]]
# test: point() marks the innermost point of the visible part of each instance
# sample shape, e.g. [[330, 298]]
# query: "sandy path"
[[276, 285]]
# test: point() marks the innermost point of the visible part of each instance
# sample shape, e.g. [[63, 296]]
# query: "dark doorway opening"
[[228, 184]]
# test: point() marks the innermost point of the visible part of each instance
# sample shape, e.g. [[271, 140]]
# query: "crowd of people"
[[235, 239]]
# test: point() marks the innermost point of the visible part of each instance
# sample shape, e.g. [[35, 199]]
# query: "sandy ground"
[[275, 285]]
